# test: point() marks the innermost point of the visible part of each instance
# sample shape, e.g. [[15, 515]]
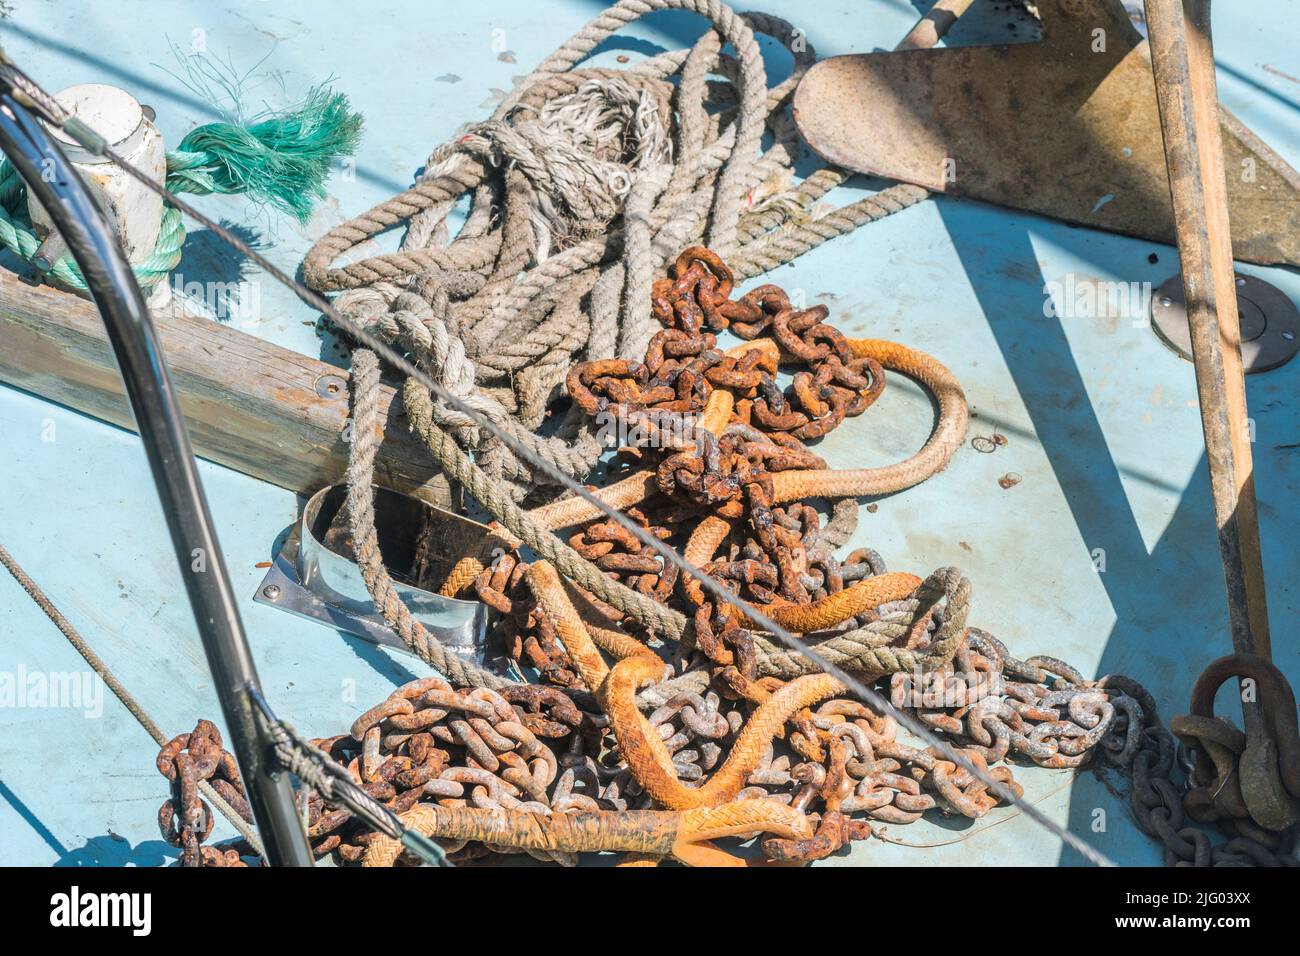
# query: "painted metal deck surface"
[[1101, 419]]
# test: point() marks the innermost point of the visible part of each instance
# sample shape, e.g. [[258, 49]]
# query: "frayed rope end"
[[283, 160]]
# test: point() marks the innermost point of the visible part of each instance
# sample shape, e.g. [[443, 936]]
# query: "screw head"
[[271, 592], [1166, 301]]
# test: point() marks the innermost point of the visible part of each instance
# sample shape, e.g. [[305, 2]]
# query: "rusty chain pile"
[[573, 764], [712, 456], [490, 749], [542, 750]]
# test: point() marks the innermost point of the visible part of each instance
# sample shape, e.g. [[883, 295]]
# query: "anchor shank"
[[1182, 58]]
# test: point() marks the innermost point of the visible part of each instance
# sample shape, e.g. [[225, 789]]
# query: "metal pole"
[[1183, 61], [162, 429], [930, 29]]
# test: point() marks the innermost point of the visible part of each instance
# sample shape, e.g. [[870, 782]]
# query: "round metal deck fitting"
[[331, 386], [1270, 322]]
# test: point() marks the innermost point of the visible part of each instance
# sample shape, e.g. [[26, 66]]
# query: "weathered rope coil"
[[585, 183]]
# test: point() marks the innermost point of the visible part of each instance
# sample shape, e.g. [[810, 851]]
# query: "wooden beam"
[[250, 405]]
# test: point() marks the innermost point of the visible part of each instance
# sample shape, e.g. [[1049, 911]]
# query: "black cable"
[[94, 246]]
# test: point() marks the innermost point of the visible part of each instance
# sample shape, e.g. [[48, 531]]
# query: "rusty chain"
[[713, 427], [185, 819], [721, 468], [542, 750]]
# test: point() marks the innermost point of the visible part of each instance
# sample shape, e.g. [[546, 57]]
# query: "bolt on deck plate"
[[1270, 323]]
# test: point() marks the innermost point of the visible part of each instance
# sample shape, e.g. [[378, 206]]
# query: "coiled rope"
[[543, 271]]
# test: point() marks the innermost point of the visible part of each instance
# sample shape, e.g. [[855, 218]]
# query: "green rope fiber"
[[282, 161]]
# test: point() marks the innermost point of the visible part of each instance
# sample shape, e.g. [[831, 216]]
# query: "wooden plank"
[[1183, 61], [250, 405]]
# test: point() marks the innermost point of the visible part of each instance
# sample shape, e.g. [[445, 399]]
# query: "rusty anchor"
[[970, 121]]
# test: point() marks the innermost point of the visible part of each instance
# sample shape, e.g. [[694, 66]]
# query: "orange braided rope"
[[948, 434], [602, 628], [707, 538], [647, 755], [658, 833], [944, 440], [619, 496], [461, 576], [545, 583], [842, 605], [645, 752], [717, 411]]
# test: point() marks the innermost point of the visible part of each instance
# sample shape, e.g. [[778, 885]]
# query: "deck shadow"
[[32, 820], [113, 850], [1151, 593]]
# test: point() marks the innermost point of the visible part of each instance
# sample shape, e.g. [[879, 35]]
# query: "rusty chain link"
[[185, 819]]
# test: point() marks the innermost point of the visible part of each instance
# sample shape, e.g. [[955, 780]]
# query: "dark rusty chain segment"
[[185, 820], [1246, 783], [683, 364]]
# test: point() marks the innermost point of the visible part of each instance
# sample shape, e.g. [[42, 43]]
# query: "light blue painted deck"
[[1101, 418]]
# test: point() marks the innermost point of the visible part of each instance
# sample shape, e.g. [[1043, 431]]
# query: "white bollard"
[[133, 210]]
